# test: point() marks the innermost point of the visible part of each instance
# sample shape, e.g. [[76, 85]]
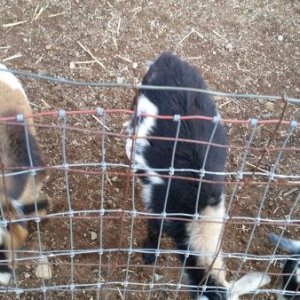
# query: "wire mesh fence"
[[89, 245]]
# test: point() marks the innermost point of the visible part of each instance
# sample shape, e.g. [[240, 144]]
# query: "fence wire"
[[92, 239]]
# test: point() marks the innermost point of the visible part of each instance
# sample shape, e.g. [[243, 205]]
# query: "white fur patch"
[[144, 106], [248, 283], [11, 80], [205, 238], [203, 298], [4, 278], [298, 275], [146, 195], [296, 244]]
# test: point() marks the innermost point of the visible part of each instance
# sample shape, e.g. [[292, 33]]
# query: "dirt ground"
[[238, 46]]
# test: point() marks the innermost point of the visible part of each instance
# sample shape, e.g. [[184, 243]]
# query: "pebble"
[[229, 47], [43, 270], [75, 143], [280, 38], [27, 275], [93, 235], [72, 65], [270, 105], [157, 277]]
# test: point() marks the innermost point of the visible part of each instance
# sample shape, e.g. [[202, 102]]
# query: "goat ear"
[[291, 246], [248, 283]]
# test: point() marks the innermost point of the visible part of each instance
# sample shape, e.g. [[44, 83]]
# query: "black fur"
[[289, 282], [4, 268], [168, 70]]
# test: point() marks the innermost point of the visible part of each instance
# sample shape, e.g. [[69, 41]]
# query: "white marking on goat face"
[[144, 106], [10, 80], [205, 238]]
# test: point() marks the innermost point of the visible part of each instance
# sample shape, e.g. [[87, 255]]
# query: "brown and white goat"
[[20, 194]]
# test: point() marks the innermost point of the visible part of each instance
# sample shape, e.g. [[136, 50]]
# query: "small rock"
[[75, 143], [229, 47], [114, 179], [134, 65], [280, 38], [27, 275], [243, 228], [157, 277], [72, 65], [93, 235], [270, 105], [43, 270], [48, 47]]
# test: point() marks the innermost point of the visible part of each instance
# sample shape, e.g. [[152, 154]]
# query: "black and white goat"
[[291, 269], [19, 194], [200, 236]]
